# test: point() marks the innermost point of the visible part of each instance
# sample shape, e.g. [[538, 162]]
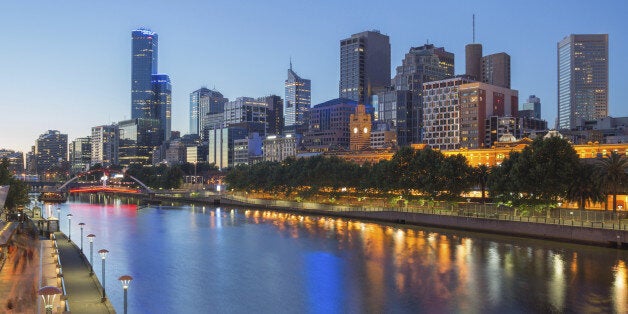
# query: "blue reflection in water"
[[323, 272]]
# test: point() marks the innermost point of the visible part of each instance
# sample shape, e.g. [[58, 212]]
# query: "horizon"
[[83, 76]]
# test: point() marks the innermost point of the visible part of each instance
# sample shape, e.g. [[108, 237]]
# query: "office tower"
[[582, 79], [143, 66], [80, 151], [275, 117], [364, 66], [136, 140], [203, 104], [473, 60], [477, 102], [278, 148], [247, 112], [221, 143], [51, 150], [104, 145], [359, 129], [495, 69], [531, 108], [162, 103], [329, 125], [395, 109], [298, 100], [420, 65]]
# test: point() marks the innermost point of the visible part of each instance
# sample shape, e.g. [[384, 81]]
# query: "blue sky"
[[66, 65]]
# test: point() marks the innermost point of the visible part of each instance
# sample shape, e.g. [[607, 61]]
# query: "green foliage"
[[156, 177], [585, 185], [613, 174], [18, 190]]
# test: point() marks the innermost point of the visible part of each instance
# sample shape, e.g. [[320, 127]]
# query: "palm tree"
[[613, 173], [481, 173], [584, 186]]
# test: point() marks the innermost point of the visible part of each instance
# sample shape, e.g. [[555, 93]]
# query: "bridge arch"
[[105, 170]]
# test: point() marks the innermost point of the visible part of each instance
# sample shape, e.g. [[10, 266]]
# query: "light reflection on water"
[[191, 259]]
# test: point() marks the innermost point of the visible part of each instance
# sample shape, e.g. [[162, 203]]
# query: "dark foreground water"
[[194, 259]]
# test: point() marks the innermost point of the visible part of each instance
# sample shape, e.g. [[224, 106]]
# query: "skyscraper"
[[298, 100], [143, 66], [531, 108], [162, 103], [203, 103], [80, 151], [473, 60], [582, 79], [104, 145], [51, 149], [364, 66], [495, 69]]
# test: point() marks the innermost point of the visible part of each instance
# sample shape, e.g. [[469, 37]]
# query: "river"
[[201, 259]]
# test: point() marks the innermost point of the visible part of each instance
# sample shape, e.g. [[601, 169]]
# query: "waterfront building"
[[477, 102], [104, 145], [278, 148], [441, 113], [248, 150], [162, 102], [51, 150], [221, 145], [329, 125], [360, 129], [495, 69], [136, 140], [582, 79], [15, 159], [298, 100], [364, 66], [143, 66], [80, 152]]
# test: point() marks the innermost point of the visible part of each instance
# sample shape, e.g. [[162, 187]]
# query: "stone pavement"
[[84, 290]]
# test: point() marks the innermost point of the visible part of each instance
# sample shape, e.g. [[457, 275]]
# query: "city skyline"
[[82, 77]]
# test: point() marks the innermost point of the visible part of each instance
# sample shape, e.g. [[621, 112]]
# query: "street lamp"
[[58, 219], [81, 224], [103, 255], [69, 227], [48, 294], [91, 253], [125, 280]]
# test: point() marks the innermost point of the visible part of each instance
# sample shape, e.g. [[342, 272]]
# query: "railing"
[[554, 216], [64, 297]]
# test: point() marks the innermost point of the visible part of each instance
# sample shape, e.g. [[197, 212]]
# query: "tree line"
[[545, 172]]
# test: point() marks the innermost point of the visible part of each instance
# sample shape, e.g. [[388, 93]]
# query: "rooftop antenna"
[[474, 28], [290, 63]]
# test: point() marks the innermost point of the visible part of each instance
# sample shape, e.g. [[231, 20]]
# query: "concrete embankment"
[[559, 232]]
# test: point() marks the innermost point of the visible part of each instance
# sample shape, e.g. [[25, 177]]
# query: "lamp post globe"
[[103, 255], [91, 252], [69, 227], [48, 294], [125, 280]]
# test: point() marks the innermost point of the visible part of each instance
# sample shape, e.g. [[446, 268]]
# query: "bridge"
[[117, 177]]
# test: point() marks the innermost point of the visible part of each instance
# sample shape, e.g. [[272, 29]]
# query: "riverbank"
[[598, 233]]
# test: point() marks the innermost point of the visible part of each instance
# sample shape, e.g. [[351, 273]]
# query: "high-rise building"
[[51, 150], [137, 138], [395, 109], [15, 159], [420, 65], [221, 143], [163, 103], [298, 100], [104, 145], [247, 112], [203, 103], [531, 108], [278, 148], [143, 66], [275, 117], [364, 66], [582, 79], [329, 125], [495, 69], [80, 154], [473, 60]]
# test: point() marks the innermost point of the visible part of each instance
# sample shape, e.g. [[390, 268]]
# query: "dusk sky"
[[66, 65]]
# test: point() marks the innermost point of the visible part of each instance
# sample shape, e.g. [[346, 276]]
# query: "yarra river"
[[195, 259]]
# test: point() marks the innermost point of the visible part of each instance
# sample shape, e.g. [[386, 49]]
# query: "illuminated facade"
[[80, 151], [162, 103], [329, 125], [221, 145], [364, 66], [143, 66], [203, 104], [51, 149], [582, 79], [278, 148], [136, 140], [297, 100], [360, 127], [104, 145]]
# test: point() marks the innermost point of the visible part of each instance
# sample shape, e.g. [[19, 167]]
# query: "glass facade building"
[[298, 99], [143, 66], [582, 79], [162, 105]]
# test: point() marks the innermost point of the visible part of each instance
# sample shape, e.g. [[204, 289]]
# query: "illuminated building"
[[80, 151], [364, 66], [221, 145], [278, 148], [531, 108], [104, 145], [582, 79], [162, 103], [329, 125], [247, 112], [203, 103], [51, 149], [360, 129], [298, 101], [395, 109], [248, 150], [275, 117], [15, 159], [136, 140], [143, 66]]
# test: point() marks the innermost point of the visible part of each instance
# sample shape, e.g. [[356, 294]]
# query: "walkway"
[[84, 290]]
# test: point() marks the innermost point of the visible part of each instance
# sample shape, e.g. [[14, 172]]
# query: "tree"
[[584, 186], [18, 190], [613, 172], [480, 174]]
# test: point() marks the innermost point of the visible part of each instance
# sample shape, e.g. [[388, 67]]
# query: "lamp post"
[[69, 227], [125, 280], [91, 253], [103, 255], [48, 294], [58, 219], [81, 224]]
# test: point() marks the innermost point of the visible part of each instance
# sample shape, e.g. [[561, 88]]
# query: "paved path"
[[83, 290]]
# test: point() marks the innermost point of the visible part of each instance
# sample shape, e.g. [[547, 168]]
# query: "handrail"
[[65, 294]]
